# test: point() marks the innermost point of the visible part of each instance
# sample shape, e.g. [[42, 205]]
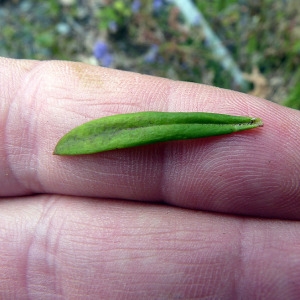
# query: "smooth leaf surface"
[[136, 129]]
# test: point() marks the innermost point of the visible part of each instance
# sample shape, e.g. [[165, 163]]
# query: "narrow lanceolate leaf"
[[135, 129]]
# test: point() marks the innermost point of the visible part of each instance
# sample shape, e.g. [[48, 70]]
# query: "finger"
[[81, 248], [254, 172]]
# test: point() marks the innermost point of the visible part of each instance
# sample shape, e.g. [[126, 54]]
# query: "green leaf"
[[135, 129]]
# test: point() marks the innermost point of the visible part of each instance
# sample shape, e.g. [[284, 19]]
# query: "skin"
[[216, 218]]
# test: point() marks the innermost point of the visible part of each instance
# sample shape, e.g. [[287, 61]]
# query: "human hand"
[[67, 229]]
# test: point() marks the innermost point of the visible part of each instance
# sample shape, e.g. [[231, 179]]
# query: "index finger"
[[254, 173]]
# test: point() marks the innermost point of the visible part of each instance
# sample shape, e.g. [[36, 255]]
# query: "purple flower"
[[135, 6], [157, 4], [106, 60], [101, 52], [100, 49], [151, 55]]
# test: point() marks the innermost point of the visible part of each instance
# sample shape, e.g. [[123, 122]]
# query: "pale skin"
[[93, 227]]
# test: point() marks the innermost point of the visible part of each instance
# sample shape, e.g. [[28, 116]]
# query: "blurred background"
[[251, 46]]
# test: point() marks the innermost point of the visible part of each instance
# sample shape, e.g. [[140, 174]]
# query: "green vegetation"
[[151, 37], [293, 100]]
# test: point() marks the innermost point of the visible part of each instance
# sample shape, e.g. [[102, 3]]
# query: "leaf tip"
[[257, 121]]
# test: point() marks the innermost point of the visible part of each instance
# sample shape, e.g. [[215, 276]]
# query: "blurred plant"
[[157, 5], [112, 16], [151, 55], [102, 54], [152, 37], [293, 100], [135, 6]]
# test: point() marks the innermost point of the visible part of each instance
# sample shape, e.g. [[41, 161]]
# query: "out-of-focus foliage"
[[293, 100], [151, 37]]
